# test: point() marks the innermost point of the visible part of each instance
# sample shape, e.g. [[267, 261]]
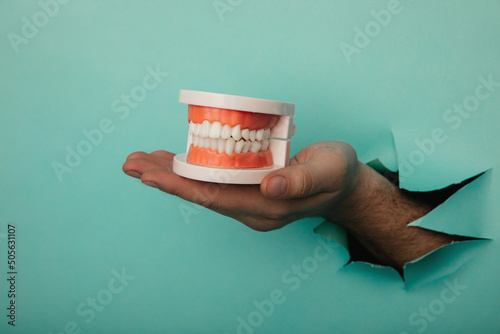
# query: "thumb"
[[316, 175]]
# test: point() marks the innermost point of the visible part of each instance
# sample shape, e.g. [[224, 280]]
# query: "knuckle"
[[276, 215], [279, 213], [205, 198], [205, 202]]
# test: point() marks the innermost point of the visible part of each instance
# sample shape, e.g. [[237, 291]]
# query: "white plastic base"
[[220, 175]]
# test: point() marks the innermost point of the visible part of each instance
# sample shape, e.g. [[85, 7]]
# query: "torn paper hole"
[[460, 210]]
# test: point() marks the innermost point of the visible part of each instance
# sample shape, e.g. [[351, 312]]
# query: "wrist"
[[376, 213], [355, 201]]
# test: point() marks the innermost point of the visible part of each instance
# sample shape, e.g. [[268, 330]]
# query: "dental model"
[[234, 139]]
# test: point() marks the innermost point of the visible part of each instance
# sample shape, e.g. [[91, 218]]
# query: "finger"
[[155, 170], [223, 198], [166, 180], [324, 171], [242, 202], [135, 155], [163, 155], [163, 160], [138, 166]]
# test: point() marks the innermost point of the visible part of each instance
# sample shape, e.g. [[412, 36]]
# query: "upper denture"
[[246, 120]]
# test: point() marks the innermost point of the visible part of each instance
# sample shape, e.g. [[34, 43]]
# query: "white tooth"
[[197, 128], [221, 145], [204, 142], [205, 129], [215, 130], [239, 146], [265, 144], [255, 147], [230, 143], [196, 140], [267, 133], [260, 134], [236, 132], [246, 147], [191, 127], [226, 131], [252, 135], [213, 144], [208, 128], [245, 134]]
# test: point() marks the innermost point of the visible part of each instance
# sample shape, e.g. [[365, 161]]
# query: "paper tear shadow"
[[447, 217], [440, 165], [440, 263], [337, 234]]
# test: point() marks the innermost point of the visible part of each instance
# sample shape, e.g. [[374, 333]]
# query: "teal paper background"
[[195, 271]]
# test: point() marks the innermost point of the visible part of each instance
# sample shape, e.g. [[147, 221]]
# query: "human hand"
[[324, 179], [316, 183]]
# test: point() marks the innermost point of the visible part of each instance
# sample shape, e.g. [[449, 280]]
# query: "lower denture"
[[207, 157]]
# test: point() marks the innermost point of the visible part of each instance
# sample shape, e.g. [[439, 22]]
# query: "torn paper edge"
[[337, 234]]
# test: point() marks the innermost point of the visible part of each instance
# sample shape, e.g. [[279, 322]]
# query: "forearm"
[[377, 213]]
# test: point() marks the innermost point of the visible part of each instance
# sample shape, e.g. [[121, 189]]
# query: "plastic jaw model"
[[234, 139]]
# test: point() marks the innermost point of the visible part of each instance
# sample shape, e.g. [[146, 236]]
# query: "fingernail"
[[276, 186], [133, 174], [151, 184]]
